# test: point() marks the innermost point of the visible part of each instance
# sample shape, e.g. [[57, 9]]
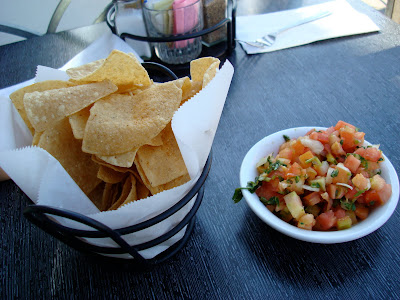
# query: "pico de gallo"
[[325, 180]]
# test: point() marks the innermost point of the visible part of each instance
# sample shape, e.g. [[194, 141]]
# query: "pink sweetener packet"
[[185, 19]]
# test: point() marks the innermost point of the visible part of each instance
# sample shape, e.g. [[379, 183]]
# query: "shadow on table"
[[299, 263]]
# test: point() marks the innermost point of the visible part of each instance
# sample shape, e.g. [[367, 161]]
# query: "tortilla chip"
[[45, 108], [36, 138], [85, 70], [198, 67], [142, 192], [124, 160], [109, 195], [17, 97], [122, 69], [131, 170], [158, 189], [128, 192], [78, 122], [164, 163], [210, 73], [122, 122], [109, 175], [96, 196], [61, 144], [156, 141]]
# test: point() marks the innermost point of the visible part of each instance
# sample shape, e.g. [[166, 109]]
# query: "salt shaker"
[[129, 19]]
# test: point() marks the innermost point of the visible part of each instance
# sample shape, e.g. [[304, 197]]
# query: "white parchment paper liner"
[[45, 181]]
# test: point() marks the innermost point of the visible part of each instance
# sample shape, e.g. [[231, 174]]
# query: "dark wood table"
[[231, 253]]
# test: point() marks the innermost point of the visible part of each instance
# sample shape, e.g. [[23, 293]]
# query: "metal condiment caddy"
[[229, 22]]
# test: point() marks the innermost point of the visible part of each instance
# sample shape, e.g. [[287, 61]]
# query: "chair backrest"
[[393, 10]]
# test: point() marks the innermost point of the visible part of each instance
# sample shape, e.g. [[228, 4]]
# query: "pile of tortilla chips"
[[110, 126]]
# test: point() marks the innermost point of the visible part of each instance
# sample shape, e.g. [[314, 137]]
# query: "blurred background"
[[22, 19]]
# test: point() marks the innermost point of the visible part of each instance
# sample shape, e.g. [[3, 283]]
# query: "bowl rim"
[[377, 218]]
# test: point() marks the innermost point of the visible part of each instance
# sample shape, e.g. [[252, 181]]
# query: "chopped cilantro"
[[271, 201], [335, 173], [314, 160], [287, 139], [359, 193], [346, 205], [315, 185], [252, 186]]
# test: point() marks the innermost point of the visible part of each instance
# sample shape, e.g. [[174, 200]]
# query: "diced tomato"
[[352, 163], [342, 176], [359, 137], [330, 130], [294, 170], [310, 131], [298, 148], [284, 145], [273, 183], [323, 137], [327, 148], [372, 154], [362, 171], [360, 182], [377, 198], [351, 194], [341, 124], [371, 197], [266, 191], [304, 157], [347, 137], [339, 212], [371, 166], [306, 221], [362, 212], [335, 191], [286, 153], [312, 199], [385, 193], [361, 199], [325, 221]]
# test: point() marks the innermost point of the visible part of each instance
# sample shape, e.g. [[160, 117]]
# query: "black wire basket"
[[44, 217]]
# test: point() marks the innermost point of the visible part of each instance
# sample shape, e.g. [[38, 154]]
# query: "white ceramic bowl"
[[271, 144]]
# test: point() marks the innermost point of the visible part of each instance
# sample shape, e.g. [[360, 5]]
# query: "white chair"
[[393, 10], [22, 19]]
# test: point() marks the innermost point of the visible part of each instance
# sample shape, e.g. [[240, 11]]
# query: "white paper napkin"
[[343, 21], [46, 182]]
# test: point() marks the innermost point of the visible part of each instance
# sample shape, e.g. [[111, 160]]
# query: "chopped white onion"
[[309, 188], [340, 165], [328, 179], [314, 145], [345, 185]]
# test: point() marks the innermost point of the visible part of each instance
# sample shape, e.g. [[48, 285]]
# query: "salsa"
[[325, 180]]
